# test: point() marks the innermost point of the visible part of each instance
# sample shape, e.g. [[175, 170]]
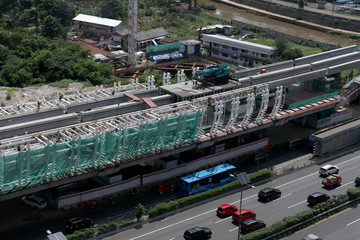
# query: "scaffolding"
[[28, 160]]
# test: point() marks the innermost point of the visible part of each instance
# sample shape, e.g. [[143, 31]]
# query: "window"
[[224, 55], [225, 47]]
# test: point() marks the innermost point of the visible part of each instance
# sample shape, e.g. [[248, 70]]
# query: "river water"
[[228, 13]]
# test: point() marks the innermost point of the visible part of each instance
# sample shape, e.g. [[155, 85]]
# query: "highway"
[[295, 188], [343, 225]]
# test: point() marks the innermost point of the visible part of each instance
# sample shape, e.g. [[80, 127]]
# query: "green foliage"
[[2, 104], [344, 34], [172, 205], [285, 51], [81, 235], [108, 227], [139, 211], [210, 7], [303, 216], [127, 222], [51, 27], [64, 83], [353, 193]]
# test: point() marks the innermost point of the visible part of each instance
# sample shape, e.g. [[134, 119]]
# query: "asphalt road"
[[295, 188], [344, 225]]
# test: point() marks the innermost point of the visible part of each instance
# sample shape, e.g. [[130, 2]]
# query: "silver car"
[[34, 201]]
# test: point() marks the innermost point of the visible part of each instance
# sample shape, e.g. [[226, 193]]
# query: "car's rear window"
[[220, 209]]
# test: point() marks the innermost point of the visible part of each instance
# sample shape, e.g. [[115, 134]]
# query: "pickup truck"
[[332, 181]]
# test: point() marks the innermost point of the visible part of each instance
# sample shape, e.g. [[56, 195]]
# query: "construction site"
[[138, 134]]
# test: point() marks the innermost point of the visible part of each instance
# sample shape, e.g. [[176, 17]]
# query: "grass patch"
[[263, 39], [64, 83], [344, 34]]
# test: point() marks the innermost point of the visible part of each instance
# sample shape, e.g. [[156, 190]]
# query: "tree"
[[281, 44], [59, 9], [139, 211], [189, 1], [10, 20], [301, 4], [51, 27], [4, 52]]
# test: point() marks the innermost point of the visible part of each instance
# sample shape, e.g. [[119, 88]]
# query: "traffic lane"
[[343, 225], [283, 181]]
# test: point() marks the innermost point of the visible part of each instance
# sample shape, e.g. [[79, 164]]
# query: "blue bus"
[[206, 179]]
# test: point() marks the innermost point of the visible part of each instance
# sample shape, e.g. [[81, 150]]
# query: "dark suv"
[[260, 157], [357, 181], [251, 225], [269, 193], [317, 197], [197, 233], [78, 223]]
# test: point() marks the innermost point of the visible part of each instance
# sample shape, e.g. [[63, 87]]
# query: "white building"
[[98, 26], [237, 51]]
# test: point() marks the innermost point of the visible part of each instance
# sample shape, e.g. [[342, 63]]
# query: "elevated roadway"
[[206, 126]]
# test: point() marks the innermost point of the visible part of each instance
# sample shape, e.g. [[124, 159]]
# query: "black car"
[[260, 157], [357, 181], [197, 233], [251, 225], [268, 194], [317, 197], [78, 223]]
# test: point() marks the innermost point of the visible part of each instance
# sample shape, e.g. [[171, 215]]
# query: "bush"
[[81, 235], [353, 193], [107, 227], [208, 7], [172, 205], [125, 223]]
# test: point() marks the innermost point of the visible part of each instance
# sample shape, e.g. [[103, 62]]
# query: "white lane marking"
[[343, 185], [296, 180], [297, 204], [282, 197], [164, 219], [243, 199], [353, 222], [171, 238], [351, 159], [187, 219], [145, 234], [223, 220], [233, 229]]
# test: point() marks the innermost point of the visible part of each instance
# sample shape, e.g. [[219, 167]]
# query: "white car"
[[328, 169], [34, 201]]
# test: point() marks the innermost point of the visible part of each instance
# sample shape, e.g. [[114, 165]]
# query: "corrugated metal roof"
[[151, 34], [235, 42], [97, 20]]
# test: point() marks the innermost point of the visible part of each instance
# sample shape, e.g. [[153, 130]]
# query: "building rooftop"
[[97, 20], [151, 34], [95, 50], [237, 43]]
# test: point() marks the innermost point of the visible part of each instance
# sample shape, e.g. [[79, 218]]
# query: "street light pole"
[[244, 180], [241, 196]]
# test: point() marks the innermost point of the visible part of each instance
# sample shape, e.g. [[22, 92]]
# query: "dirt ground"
[[30, 94]]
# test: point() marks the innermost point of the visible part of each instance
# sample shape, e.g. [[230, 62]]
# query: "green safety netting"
[[153, 50], [312, 100], [28, 168]]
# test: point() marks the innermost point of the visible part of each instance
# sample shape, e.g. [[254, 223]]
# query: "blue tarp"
[[171, 56]]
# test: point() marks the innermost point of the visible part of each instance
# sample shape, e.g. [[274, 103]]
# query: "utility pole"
[[132, 36]]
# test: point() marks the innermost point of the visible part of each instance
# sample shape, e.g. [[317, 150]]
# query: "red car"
[[245, 215], [226, 210], [164, 187]]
